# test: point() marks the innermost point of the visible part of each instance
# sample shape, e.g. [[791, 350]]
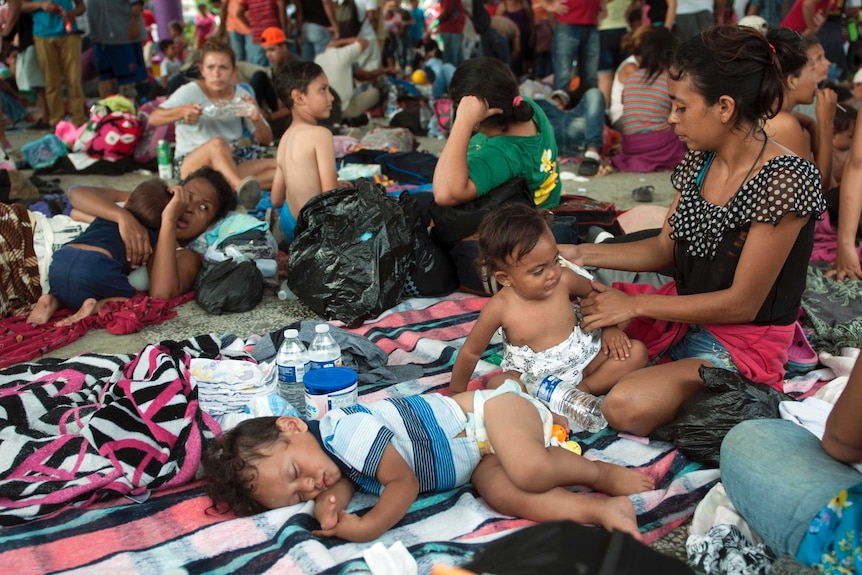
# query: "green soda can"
[[163, 157]]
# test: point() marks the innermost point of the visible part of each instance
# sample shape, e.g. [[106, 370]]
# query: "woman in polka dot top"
[[739, 235]]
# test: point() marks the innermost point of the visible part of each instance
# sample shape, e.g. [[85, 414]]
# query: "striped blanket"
[[162, 525]]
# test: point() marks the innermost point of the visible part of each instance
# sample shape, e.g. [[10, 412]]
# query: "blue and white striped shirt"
[[422, 428]]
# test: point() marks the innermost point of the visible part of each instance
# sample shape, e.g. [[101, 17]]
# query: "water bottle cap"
[[290, 334], [321, 328]]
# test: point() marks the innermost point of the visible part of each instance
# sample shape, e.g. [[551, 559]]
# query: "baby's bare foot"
[[619, 513], [88, 308], [45, 308], [618, 480]]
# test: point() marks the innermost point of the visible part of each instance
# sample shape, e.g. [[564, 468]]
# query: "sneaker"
[[248, 192], [588, 167]]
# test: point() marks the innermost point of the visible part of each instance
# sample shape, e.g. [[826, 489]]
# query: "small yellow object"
[[573, 446], [560, 433], [419, 77]]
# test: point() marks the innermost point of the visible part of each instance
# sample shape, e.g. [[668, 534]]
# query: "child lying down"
[[397, 448]]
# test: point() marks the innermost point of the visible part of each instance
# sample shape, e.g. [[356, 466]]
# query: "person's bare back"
[[307, 154]]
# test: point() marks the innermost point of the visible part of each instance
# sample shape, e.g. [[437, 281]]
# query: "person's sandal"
[[643, 194], [589, 167], [248, 192]]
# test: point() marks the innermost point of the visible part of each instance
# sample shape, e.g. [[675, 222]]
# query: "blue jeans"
[[442, 76], [314, 40], [453, 48], [254, 53], [240, 44], [698, 343], [778, 477], [576, 42], [581, 127]]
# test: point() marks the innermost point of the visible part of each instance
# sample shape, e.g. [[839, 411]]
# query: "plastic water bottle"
[[163, 157], [391, 102], [323, 351], [583, 410], [227, 108], [285, 293], [292, 361]]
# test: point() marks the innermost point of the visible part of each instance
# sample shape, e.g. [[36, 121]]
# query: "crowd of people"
[[759, 142]]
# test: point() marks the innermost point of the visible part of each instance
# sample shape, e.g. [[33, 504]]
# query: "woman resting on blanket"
[[384, 449], [120, 238], [802, 493], [213, 141], [739, 235]]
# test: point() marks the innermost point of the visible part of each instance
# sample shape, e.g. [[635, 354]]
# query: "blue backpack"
[[408, 167]]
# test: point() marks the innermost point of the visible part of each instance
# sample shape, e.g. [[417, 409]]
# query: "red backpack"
[[443, 114]]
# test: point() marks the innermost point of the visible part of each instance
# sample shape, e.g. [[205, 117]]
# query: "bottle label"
[[291, 373], [322, 364], [547, 387]]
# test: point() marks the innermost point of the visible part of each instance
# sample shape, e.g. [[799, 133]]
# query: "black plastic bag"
[[567, 548], [432, 272], [703, 420], [350, 253], [229, 287]]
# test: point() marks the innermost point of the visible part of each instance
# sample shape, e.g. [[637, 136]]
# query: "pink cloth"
[[826, 241], [759, 351], [650, 152]]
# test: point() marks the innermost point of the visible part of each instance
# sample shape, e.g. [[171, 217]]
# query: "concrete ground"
[[272, 313]]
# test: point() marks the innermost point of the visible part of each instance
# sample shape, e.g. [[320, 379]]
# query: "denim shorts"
[[698, 343]]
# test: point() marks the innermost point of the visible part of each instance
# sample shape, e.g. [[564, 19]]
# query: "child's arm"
[[101, 203], [400, 488], [468, 356], [579, 286], [330, 505], [279, 183]]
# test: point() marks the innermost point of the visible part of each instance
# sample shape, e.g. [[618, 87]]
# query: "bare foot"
[[45, 308], [88, 308], [619, 480], [619, 513]]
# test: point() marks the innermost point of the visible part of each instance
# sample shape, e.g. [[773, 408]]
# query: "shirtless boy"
[[306, 150]]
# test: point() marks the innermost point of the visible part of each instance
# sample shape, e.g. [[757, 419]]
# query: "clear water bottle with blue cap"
[[292, 361], [582, 409]]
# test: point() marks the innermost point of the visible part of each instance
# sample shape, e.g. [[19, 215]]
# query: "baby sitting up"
[[540, 324], [398, 448]]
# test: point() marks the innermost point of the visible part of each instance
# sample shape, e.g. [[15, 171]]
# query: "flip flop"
[[248, 192], [643, 193], [589, 167]]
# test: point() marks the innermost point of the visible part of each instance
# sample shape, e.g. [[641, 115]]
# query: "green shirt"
[[493, 161]]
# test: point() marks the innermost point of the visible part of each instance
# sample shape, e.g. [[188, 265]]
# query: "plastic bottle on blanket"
[[324, 350], [292, 361], [583, 410]]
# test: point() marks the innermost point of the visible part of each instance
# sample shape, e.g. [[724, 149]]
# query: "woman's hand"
[[605, 307], [136, 239], [846, 265], [192, 113], [176, 207], [252, 104], [473, 110]]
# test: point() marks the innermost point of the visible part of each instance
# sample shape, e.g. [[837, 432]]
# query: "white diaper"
[[566, 360], [476, 421]]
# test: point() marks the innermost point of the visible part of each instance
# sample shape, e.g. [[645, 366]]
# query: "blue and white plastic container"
[[329, 388]]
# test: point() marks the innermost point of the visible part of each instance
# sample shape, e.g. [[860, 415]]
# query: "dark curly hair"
[[226, 197], [229, 464], [737, 62], [509, 233], [492, 80]]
